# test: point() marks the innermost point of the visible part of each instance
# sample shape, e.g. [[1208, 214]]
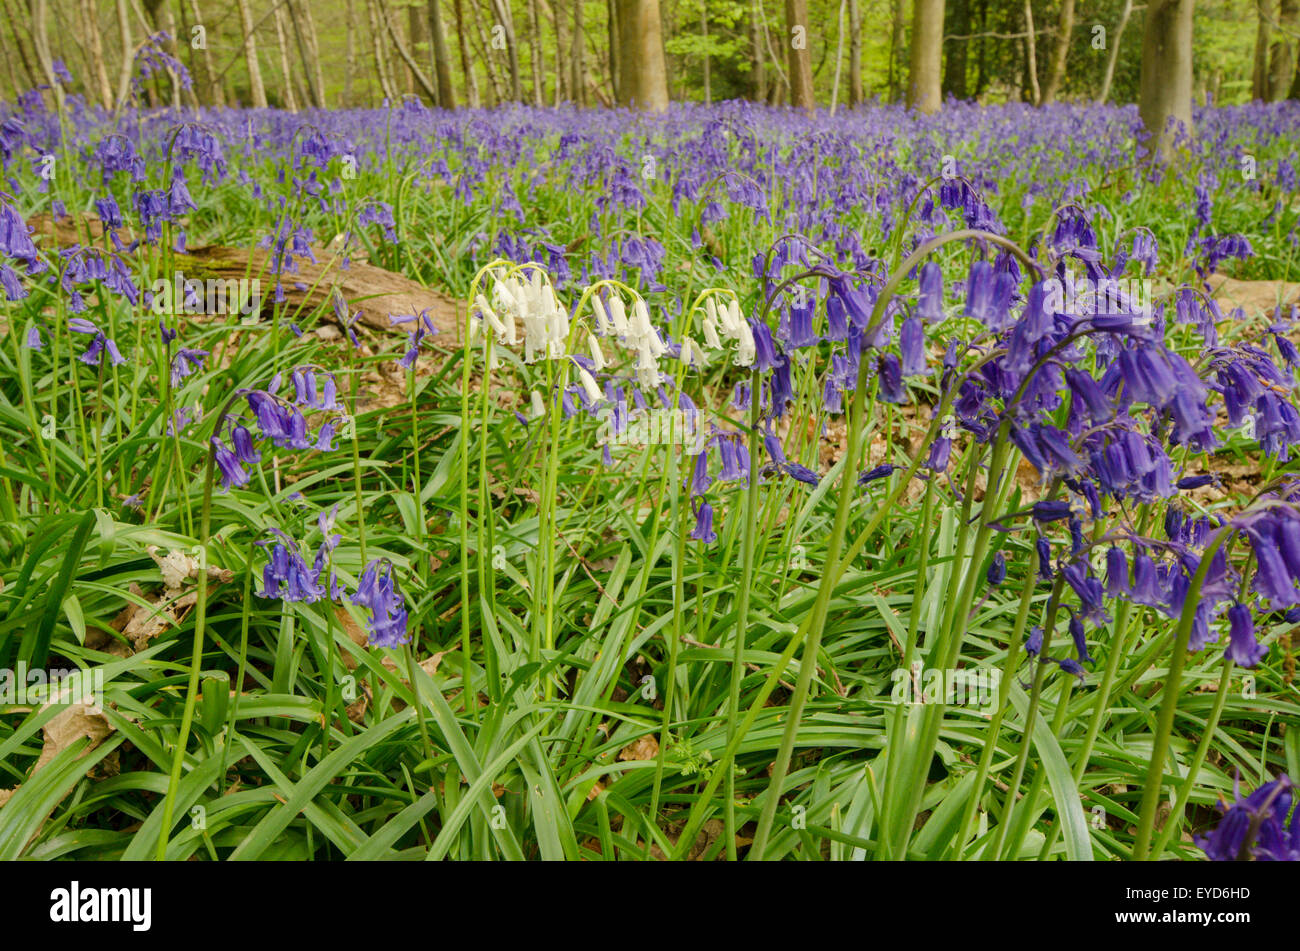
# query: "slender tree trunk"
[[386, 86], [99, 82], [615, 74], [924, 88], [643, 72], [313, 49], [896, 51], [128, 53], [496, 85], [855, 52], [704, 31], [506, 21], [798, 57], [1263, 33], [163, 20], [981, 65], [577, 84], [1282, 54], [417, 30], [954, 62], [779, 89], [31, 67], [315, 84], [1056, 70], [462, 43], [441, 57], [756, 46], [1112, 54], [290, 100], [350, 54], [214, 84], [839, 54], [408, 58], [535, 52], [1166, 84], [255, 88], [41, 40], [1031, 56]]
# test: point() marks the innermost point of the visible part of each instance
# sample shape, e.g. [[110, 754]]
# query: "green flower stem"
[[994, 733], [1029, 802], [901, 712], [1169, 703], [749, 528], [1198, 758], [994, 849], [196, 653]]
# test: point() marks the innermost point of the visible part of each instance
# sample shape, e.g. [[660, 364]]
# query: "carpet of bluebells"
[[845, 487]]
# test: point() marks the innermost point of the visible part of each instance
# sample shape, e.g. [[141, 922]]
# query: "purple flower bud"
[[703, 531], [1243, 649], [997, 572]]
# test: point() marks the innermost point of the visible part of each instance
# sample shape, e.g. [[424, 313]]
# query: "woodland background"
[[356, 53]]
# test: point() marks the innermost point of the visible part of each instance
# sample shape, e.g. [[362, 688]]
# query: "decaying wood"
[[379, 294]]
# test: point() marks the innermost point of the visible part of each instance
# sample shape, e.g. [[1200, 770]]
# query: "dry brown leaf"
[[642, 748], [68, 726]]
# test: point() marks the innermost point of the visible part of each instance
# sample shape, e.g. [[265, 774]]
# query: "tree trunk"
[[462, 41], [290, 100], [350, 54], [924, 89], [496, 86], [1282, 54], [756, 51], [535, 52], [577, 85], [255, 88], [128, 53], [643, 74], [1056, 70], [896, 51], [611, 17], [506, 21], [386, 88], [704, 31], [798, 57], [1263, 32], [213, 82], [560, 91], [839, 54], [855, 52], [315, 83], [313, 50], [99, 82], [1031, 56], [1166, 84], [417, 31], [441, 57], [407, 56], [954, 69], [41, 40], [1112, 55]]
